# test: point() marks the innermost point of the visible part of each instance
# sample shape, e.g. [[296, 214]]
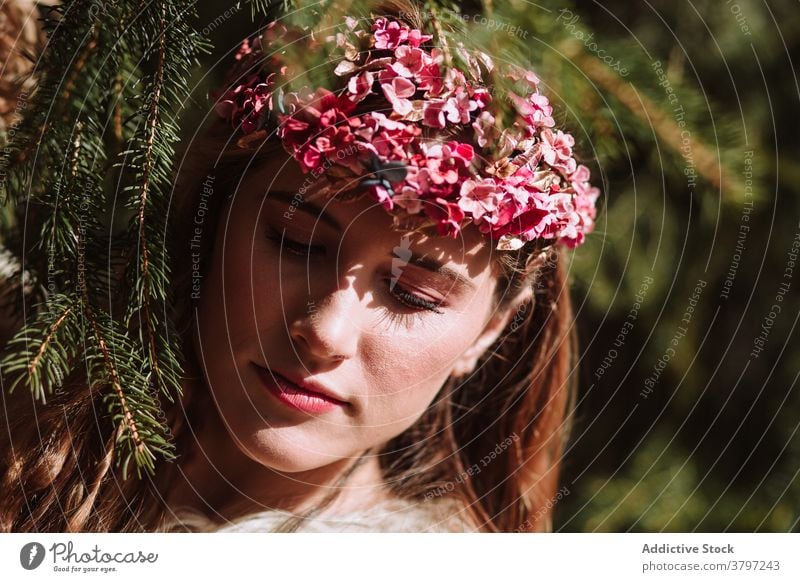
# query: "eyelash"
[[401, 295], [414, 301]]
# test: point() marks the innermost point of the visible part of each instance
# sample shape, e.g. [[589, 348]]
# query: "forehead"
[[276, 185]]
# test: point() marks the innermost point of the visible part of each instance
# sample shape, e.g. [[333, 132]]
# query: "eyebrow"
[[427, 263], [435, 266], [300, 203]]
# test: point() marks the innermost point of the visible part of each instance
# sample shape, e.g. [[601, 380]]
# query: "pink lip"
[[294, 396]]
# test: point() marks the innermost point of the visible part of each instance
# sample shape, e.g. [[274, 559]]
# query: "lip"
[[306, 396]]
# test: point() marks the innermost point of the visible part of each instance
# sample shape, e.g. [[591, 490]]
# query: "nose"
[[328, 330]]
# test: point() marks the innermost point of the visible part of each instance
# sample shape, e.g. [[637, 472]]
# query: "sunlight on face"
[[327, 294]]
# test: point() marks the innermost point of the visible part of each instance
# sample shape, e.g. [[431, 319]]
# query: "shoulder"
[[393, 515]]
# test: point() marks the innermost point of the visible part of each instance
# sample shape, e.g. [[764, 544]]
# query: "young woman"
[[371, 287]]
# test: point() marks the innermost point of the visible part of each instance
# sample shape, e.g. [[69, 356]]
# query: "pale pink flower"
[[542, 111], [408, 199], [409, 61], [535, 109], [416, 38], [458, 106], [479, 197], [397, 92], [557, 150], [484, 127], [453, 79]]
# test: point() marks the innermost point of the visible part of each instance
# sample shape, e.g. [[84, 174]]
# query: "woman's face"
[[345, 305]]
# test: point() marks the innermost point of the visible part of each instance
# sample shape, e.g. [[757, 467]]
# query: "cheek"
[[405, 371], [232, 303]]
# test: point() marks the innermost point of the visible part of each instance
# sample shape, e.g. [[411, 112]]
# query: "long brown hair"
[[492, 440]]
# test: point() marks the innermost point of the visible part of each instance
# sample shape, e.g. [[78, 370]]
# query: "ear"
[[467, 361]]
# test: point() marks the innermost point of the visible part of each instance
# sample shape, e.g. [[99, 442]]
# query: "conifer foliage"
[[87, 176]]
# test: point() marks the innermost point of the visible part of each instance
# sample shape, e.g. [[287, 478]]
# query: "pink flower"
[[542, 111], [532, 79], [585, 198], [458, 106], [480, 96], [409, 200], [389, 34], [517, 73], [244, 50], [397, 92], [484, 127], [387, 138], [446, 163], [430, 76], [581, 174], [557, 150], [360, 85], [409, 61], [309, 157], [453, 79], [322, 117], [531, 222], [569, 219], [479, 197], [246, 103], [535, 109], [433, 113], [500, 217], [544, 194], [543, 180], [334, 138], [461, 151], [381, 194], [416, 38], [448, 216]]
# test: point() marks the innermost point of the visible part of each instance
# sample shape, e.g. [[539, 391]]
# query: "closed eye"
[[294, 247], [299, 249], [411, 300]]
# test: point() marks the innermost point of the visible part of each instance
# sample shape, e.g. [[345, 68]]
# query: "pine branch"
[[151, 127], [97, 104], [114, 359], [43, 353], [151, 163], [34, 365]]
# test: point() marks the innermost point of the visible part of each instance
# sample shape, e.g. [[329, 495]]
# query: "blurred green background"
[[683, 110]]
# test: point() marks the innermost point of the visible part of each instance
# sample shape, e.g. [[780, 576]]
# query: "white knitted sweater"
[[395, 515]]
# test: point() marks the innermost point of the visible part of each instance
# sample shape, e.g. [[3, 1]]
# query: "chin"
[[286, 450]]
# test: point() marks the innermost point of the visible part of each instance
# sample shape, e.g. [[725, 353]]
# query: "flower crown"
[[516, 181]]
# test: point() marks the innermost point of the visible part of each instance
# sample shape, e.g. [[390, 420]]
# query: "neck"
[[217, 479]]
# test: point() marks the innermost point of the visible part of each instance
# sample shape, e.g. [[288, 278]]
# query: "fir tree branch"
[[33, 366], [152, 119], [44, 351], [80, 65], [130, 422]]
